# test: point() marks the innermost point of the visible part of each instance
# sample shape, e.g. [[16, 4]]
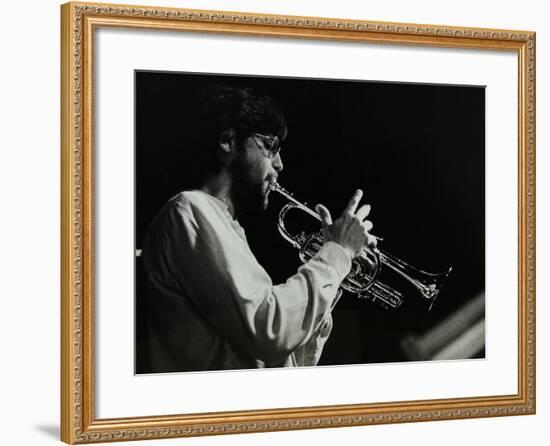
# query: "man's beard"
[[248, 192]]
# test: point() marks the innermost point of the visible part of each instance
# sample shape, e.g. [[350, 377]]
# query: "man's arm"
[[201, 253]]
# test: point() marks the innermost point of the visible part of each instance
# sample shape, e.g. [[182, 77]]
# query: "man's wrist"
[[349, 251], [338, 256]]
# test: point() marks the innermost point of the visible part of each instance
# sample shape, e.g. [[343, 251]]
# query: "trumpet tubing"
[[365, 277]]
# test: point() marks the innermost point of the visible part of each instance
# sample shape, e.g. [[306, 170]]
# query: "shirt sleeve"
[[309, 353], [202, 255]]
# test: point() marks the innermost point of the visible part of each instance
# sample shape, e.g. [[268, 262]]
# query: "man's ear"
[[226, 141]]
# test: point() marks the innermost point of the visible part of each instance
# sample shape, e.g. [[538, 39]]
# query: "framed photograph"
[[276, 223]]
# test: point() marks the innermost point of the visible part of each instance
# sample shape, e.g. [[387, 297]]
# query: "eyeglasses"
[[270, 145]]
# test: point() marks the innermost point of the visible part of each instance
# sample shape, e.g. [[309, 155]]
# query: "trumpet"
[[370, 271]]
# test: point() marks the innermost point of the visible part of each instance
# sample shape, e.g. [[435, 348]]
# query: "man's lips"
[[269, 182]]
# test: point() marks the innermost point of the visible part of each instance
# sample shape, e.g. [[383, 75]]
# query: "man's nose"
[[278, 162]]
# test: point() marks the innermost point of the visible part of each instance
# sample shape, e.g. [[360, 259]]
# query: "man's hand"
[[351, 229]]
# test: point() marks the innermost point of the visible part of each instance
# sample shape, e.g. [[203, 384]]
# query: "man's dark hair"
[[243, 110]]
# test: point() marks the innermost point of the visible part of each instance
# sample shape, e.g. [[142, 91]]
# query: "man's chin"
[[265, 202], [262, 203]]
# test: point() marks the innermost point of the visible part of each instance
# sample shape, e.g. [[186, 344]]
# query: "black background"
[[417, 151]]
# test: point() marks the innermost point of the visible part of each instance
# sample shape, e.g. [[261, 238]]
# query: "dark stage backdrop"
[[418, 152]]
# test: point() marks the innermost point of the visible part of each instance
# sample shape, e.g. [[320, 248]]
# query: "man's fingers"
[[371, 241], [324, 214], [363, 212], [354, 202], [367, 224]]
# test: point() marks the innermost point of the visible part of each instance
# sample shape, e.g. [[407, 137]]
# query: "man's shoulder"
[[187, 198], [186, 202], [175, 221], [190, 207], [186, 207], [193, 202]]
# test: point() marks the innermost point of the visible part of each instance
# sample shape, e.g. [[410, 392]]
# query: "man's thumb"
[[324, 214]]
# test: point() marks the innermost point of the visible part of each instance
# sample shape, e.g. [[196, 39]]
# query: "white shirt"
[[212, 306]]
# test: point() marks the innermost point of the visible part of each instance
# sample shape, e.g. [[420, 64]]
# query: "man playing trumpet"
[[210, 304]]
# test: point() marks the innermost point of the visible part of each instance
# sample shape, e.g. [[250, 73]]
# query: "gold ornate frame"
[[78, 423]]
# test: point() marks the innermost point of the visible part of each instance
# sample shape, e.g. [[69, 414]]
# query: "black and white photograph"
[[291, 222]]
